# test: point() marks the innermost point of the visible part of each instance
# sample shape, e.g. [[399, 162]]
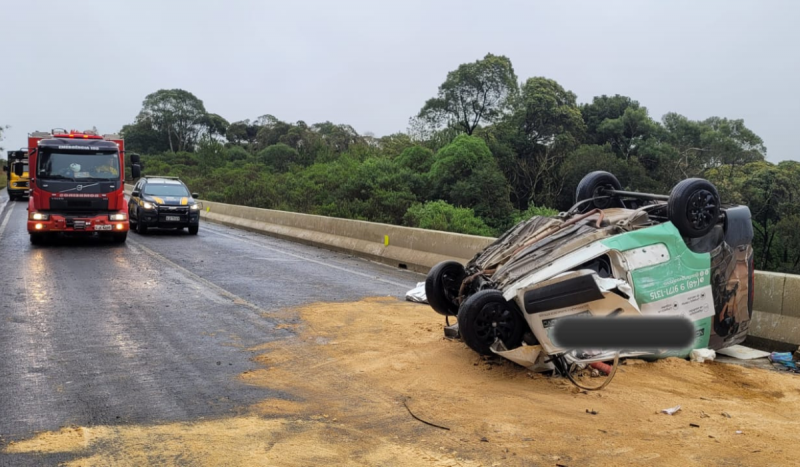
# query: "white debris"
[[417, 294], [701, 355], [671, 410], [742, 353]]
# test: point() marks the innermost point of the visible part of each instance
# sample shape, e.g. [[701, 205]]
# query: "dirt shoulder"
[[356, 369]]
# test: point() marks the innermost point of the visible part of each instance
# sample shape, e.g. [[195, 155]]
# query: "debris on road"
[[742, 353], [784, 360], [405, 404], [417, 294], [671, 410], [726, 415], [701, 355], [592, 412], [694, 425]]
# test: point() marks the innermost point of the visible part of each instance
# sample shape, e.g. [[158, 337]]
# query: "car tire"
[[141, 228], [590, 186], [694, 207], [119, 237], [486, 316], [442, 286], [193, 229]]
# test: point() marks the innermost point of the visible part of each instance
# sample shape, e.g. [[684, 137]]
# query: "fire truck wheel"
[[119, 237], [37, 239], [486, 316]]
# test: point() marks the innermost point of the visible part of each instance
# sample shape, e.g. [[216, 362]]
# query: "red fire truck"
[[77, 185]]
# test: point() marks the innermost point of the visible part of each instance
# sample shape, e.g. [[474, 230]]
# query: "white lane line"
[[233, 297], [5, 221], [321, 263]]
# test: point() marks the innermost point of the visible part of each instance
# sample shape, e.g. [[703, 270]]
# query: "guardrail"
[[777, 297]]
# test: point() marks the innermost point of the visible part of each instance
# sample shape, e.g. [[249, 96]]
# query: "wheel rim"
[[451, 282], [495, 320], [702, 209], [602, 203]]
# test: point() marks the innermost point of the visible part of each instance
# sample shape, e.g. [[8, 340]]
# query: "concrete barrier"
[[777, 298]]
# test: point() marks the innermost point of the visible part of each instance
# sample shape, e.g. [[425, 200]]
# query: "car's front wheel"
[[193, 229], [486, 316]]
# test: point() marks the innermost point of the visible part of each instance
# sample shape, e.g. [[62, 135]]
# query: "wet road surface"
[[154, 330]]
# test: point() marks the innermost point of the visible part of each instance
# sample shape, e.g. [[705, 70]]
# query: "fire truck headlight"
[[38, 216], [118, 217], [38, 226]]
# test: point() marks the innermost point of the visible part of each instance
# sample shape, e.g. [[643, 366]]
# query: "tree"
[[417, 158], [439, 215], [177, 113], [483, 91], [279, 156], [465, 174], [2, 129], [546, 126]]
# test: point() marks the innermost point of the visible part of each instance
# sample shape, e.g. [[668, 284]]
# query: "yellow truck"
[[17, 180]]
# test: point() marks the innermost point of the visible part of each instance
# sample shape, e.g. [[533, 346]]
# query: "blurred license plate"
[[102, 227], [172, 218]]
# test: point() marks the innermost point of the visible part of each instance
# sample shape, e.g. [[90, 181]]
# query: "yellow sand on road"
[[353, 365]]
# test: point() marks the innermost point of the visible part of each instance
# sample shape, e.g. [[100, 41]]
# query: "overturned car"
[[614, 253]]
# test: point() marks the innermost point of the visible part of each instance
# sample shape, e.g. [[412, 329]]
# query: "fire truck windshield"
[[83, 167]]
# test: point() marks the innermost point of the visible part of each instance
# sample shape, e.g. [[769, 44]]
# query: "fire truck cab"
[[77, 185]]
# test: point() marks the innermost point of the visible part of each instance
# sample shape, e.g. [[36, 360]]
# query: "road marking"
[[5, 221], [233, 297], [321, 263]]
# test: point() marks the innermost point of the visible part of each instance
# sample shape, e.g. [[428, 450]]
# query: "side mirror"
[[136, 171], [135, 159], [19, 169], [195, 195], [136, 193]]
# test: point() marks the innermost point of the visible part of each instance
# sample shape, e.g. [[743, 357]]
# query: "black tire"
[[442, 286], [193, 229], [141, 228], [119, 237], [590, 187], [694, 207], [37, 238], [486, 315]]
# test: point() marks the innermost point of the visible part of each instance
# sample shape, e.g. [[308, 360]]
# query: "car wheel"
[[141, 228], [119, 237], [591, 186], [193, 229], [486, 316], [694, 207], [442, 286]]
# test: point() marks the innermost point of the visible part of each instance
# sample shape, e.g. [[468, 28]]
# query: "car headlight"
[[148, 205], [118, 217], [194, 207], [38, 216]]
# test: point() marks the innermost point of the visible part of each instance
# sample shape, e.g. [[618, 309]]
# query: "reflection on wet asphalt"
[[154, 330]]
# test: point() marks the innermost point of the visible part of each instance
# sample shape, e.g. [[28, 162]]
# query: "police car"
[[165, 203]]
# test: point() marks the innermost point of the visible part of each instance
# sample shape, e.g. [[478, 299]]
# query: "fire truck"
[[17, 174], [77, 184]]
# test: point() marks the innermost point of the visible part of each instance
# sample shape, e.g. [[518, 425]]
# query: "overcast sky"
[[373, 64]]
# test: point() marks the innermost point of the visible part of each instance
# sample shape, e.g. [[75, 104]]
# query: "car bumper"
[[83, 224], [166, 220], [17, 191]]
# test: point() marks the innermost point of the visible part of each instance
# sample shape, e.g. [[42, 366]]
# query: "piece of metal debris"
[[592, 412]]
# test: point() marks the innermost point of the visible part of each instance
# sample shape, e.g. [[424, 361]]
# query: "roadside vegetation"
[[486, 151]]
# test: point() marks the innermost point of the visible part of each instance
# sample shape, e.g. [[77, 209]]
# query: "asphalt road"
[[154, 330]]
